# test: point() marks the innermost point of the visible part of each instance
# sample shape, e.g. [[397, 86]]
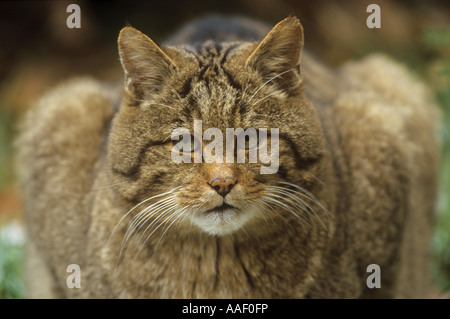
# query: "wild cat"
[[355, 184]]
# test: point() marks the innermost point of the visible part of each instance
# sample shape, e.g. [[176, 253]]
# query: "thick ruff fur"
[[356, 183]]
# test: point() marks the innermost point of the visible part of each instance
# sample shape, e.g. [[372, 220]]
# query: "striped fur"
[[355, 186]]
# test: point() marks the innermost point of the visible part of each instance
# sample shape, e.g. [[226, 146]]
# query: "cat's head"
[[176, 102]]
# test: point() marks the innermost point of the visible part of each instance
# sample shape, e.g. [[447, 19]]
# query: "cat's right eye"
[[253, 141], [188, 144]]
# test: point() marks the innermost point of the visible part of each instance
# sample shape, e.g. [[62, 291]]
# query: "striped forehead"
[[210, 52], [212, 90]]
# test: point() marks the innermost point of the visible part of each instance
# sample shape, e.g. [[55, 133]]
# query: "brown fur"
[[360, 141]]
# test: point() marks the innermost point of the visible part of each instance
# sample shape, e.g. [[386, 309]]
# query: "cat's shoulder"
[[387, 76], [73, 102], [65, 120], [386, 89]]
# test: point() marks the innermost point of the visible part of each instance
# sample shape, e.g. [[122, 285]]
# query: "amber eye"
[[188, 144], [252, 141]]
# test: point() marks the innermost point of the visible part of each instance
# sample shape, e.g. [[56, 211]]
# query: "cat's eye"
[[252, 141], [188, 144]]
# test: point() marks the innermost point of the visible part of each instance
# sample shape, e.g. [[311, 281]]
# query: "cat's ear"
[[277, 57], [145, 64]]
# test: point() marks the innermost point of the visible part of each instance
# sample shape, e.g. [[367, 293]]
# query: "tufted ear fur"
[[278, 54], [145, 64]]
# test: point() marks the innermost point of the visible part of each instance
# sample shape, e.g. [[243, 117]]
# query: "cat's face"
[[249, 86]]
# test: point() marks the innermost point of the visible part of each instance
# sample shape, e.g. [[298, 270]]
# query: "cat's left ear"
[[277, 57], [145, 64]]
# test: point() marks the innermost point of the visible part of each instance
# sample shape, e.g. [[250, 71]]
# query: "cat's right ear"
[[145, 64], [277, 57]]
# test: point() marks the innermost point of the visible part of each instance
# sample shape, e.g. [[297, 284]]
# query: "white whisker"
[[180, 213], [265, 97], [156, 228], [170, 107], [268, 81], [140, 219], [297, 201], [276, 203], [128, 247], [112, 185], [317, 179], [161, 211], [137, 205], [176, 93], [310, 196], [133, 220], [142, 215]]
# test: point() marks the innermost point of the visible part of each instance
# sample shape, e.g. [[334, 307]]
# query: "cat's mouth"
[[221, 209], [221, 220]]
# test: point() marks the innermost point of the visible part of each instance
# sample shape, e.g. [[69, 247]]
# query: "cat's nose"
[[222, 185]]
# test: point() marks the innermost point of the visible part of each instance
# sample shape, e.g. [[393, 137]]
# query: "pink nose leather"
[[222, 185]]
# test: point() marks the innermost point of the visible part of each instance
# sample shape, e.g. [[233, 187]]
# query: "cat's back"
[[219, 28], [383, 127], [59, 148], [375, 99], [63, 133], [388, 111]]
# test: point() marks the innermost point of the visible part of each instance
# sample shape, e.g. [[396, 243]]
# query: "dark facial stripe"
[[195, 55], [299, 162], [206, 53], [227, 51], [134, 170], [231, 80], [217, 47], [155, 183], [202, 72], [186, 88]]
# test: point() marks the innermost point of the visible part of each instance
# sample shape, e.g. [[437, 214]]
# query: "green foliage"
[[11, 264], [437, 41], [437, 38], [6, 120]]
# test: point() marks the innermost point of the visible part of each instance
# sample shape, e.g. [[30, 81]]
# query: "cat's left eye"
[[252, 141], [188, 144]]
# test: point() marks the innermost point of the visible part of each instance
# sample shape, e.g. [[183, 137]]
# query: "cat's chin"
[[222, 221]]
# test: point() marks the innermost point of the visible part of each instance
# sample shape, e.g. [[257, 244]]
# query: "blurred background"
[[37, 50]]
